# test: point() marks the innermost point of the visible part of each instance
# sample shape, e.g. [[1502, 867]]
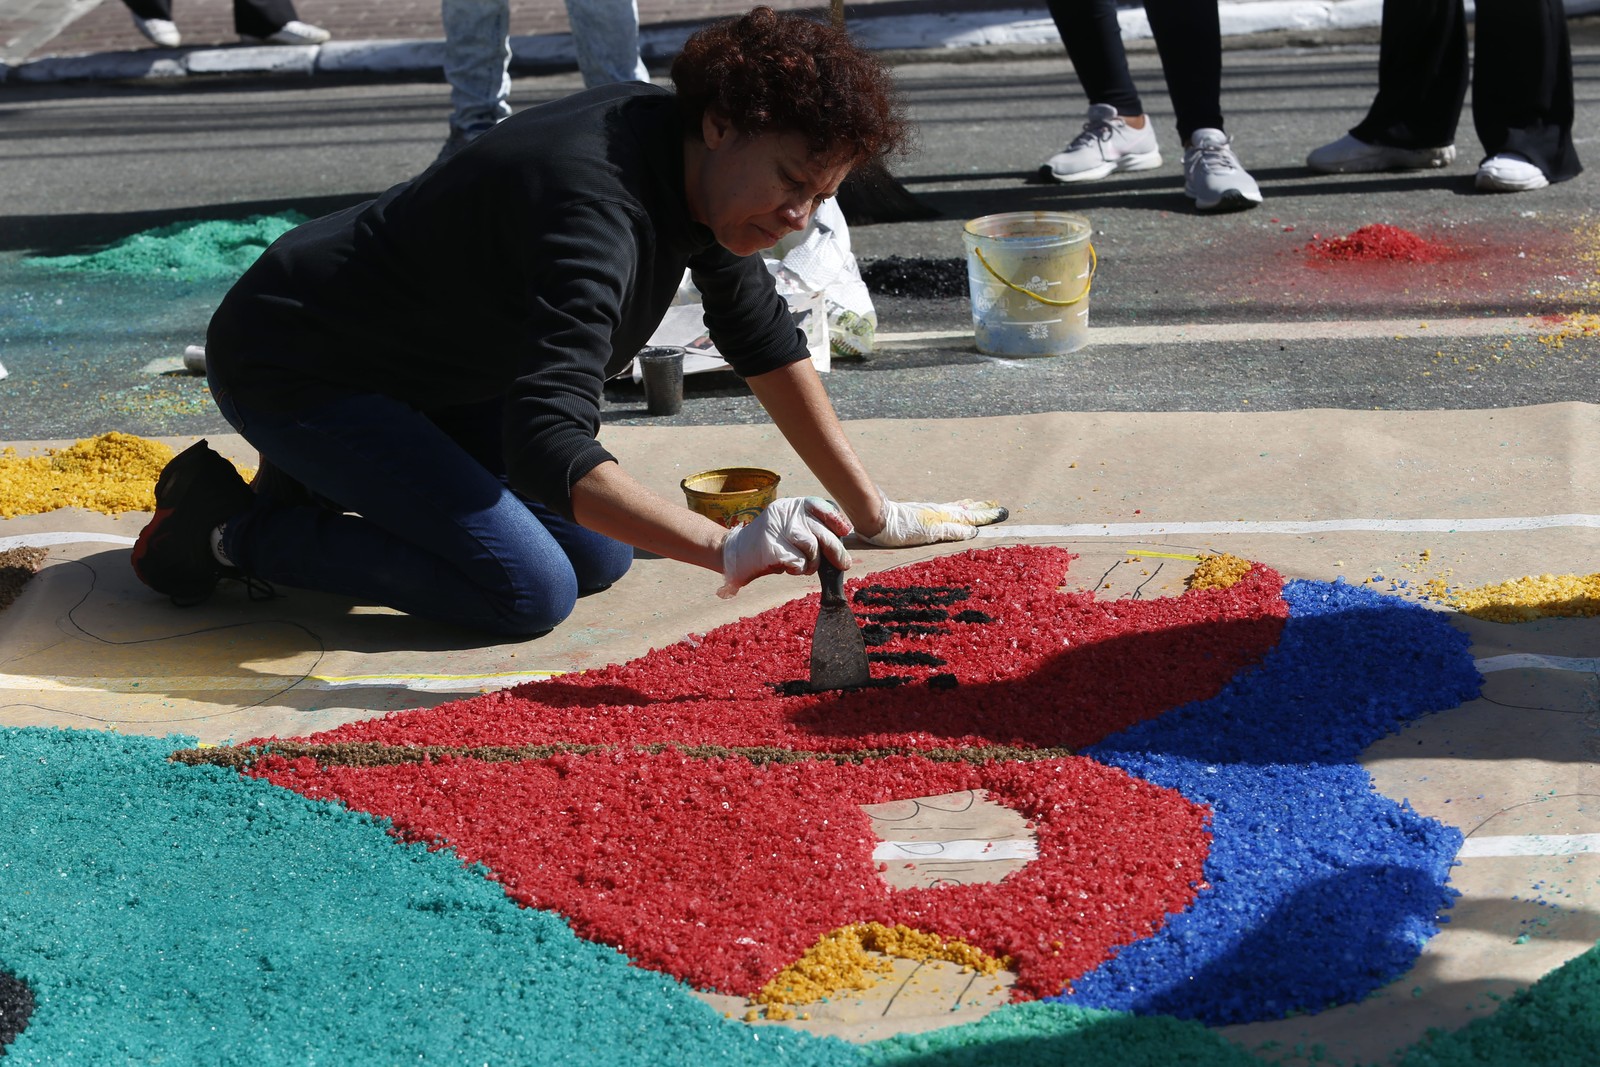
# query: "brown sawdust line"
[[376, 754]]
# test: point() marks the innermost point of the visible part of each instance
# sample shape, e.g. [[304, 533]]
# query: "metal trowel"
[[838, 651]]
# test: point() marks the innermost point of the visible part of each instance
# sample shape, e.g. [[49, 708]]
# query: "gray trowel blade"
[[838, 651]]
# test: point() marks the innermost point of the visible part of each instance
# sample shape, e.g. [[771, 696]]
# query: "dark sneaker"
[[197, 492]]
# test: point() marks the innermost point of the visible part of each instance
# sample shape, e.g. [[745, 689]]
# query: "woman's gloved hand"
[[925, 524], [789, 535]]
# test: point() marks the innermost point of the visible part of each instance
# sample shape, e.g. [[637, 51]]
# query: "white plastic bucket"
[[1029, 273]]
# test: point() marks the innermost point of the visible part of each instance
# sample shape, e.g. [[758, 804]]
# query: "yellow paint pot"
[[731, 496]]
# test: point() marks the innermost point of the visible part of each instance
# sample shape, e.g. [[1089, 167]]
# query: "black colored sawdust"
[[16, 1005], [916, 277], [800, 687]]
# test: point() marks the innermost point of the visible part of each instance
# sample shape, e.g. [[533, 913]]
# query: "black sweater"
[[532, 265]]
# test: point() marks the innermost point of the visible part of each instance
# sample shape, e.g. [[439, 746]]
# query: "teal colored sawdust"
[[192, 916], [1040, 1033], [189, 915], [97, 339], [187, 251], [1553, 1023]]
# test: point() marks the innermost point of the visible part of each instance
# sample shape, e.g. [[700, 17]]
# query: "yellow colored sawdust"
[[1217, 572], [856, 957], [112, 473], [1568, 327], [1528, 598]]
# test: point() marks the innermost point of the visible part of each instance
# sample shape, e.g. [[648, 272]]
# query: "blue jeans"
[[435, 531], [477, 53]]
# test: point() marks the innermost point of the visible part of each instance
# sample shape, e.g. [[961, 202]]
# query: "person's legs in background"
[[1118, 136], [153, 18], [605, 34], [259, 21], [477, 57], [477, 64], [1188, 35], [1522, 103], [1422, 83], [274, 22]]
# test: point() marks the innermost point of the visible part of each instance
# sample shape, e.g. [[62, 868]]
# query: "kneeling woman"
[[422, 373]]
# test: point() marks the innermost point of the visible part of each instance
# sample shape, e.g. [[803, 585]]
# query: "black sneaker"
[[197, 492]]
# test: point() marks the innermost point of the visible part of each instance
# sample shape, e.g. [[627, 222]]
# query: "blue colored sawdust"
[[191, 915], [1321, 889]]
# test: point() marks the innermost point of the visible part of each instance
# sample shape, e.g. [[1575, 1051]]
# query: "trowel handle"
[[832, 581]]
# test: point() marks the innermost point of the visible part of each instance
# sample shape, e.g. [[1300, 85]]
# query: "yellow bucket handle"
[[1094, 262]]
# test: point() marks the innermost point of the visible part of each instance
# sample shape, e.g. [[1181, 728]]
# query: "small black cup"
[[662, 368]]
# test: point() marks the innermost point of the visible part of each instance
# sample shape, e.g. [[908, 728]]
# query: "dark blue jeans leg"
[[434, 532]]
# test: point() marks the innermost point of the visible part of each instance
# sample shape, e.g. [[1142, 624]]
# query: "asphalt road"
[[83, 165]]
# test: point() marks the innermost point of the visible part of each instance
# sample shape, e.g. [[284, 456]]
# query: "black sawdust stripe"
[[16, 1006]]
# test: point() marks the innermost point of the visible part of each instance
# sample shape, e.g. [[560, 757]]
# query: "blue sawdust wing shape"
[[1321, 889]]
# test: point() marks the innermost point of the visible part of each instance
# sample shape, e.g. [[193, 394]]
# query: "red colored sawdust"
[[722, 872], [991, 651], [1377, 242]]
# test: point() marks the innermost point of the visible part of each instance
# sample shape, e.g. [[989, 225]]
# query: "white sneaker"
[[1213, 177], [159, 31], [1106, 145], [293, 32], [1348, 155], [1508, 173]]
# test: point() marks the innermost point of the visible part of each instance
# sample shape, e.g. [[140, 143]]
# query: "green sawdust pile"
[[1553, 1023], [188, 251]]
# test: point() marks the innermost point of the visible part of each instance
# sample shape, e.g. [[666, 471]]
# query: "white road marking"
[[44, 540], [1507, 524], [1512, 661], [1217, 332], [1530, 845]]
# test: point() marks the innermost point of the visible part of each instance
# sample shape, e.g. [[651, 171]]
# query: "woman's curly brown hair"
[[767, 71]]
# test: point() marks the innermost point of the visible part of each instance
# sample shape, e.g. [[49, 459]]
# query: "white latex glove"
[[925, 524], [789, 535]]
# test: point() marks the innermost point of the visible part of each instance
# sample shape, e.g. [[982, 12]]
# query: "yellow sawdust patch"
[[856, 957], [1217, 572], [1528, 598], [112, 473]]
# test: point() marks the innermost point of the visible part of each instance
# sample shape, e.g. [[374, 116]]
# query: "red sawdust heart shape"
[[722, 871], [723, 864]]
